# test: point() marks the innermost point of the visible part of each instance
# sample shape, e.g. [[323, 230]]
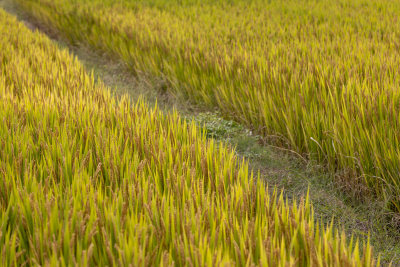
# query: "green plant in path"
[[89, 180], [318, 77]]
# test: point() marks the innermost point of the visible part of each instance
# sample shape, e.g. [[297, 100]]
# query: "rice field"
[[318, 77], [89, 180]]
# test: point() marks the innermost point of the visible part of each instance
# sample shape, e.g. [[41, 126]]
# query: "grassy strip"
[[321, 77], [88, 180]]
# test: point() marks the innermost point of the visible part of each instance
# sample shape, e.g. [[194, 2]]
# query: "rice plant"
[[88, 180], [318, 77]]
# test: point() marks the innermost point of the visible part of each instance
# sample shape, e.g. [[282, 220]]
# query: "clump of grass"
[[317, 77], [216, 127], [90, 180]]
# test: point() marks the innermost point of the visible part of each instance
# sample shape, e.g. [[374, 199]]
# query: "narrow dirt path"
[[277, 167]]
